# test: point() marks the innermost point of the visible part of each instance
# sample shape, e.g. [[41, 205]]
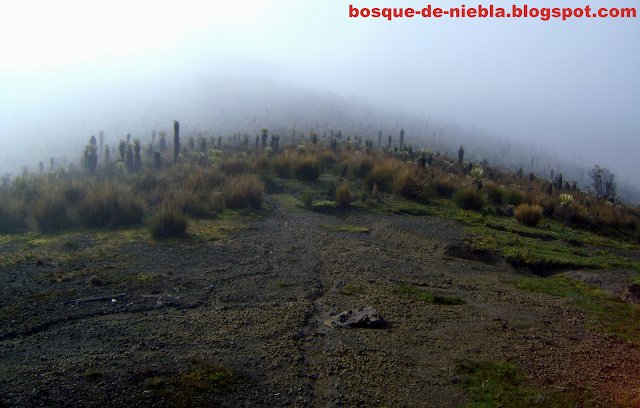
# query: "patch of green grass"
[[349, 290], [429, 296], [343, 228], [540, 248], [605, 311], [498, 384], [289, 202], [325, 207], [194, 387]]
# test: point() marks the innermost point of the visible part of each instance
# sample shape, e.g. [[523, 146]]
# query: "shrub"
[[514, 197], [128, 210], [235, 166], [547, 203], [306, 168], [192, 204], [331, 190], [444, 187], [12, 215], [468, 199], [108, 205], [406, 184], [307, 198], [571, 214], [356, 166], [283, 163], [637, 235], [203, 180], [495, 194], [51, 212], [243, 191], [168, 222], [529, 215], [343, 196], [382, 175]]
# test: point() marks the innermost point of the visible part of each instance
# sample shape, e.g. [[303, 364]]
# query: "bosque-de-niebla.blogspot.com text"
[[543, 13]]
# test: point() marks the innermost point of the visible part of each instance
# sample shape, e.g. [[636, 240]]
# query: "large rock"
[[366, 317]]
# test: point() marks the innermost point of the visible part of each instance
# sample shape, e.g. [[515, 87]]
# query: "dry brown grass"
[[382, 174], [168, 222], [243, 191], [343, 196], [527, 214], [12, 215], [408, 183], [572, 214]]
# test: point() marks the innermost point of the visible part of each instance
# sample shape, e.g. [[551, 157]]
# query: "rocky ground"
[[246, 321]]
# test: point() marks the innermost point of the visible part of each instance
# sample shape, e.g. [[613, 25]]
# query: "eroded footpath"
[[246, 321]]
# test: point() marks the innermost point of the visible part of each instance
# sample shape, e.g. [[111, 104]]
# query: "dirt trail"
[[258, 302]]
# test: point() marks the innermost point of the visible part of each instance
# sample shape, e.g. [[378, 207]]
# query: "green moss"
[[289, 202], [349, 290], [429, 296], [325, 207], [194, 387], [343, 228], [539, 249], [499, 384], [605, 311]]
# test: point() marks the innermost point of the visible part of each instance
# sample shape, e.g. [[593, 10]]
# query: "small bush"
[[306, 168], [168, 222], [514, 197], [12, 215], [194, 205], [128, 211], [571, 214], [307, 199], [51, 213], [202, 181], [283, 163], [356, 166], [495, 194], [343, 196], [108, 205], [406, 184], [547, 203], [331, 190], [243, 191], [382, 175], [444, 187], [529, 215], [468, 199], [235, 166]]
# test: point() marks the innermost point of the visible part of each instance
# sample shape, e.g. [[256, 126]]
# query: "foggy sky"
[[77, 68]]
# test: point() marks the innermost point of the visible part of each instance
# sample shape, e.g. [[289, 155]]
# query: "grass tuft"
[[343, 196], [243, 191], [529, 215], [168, 222], [468, 199]]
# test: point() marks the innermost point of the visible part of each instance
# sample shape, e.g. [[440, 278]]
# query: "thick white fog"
[[71, 69]]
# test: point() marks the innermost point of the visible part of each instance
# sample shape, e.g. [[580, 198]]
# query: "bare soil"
[[257, 304]]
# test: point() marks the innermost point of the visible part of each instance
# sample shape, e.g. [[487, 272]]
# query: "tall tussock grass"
[[168, 222], [468, 199], [12, 215], [408, 183], [243, 191], [382, 175], [527, 214], [51, 212], [110, 205]]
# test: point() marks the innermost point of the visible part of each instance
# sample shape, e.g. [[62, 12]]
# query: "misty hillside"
[[224, 106]]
